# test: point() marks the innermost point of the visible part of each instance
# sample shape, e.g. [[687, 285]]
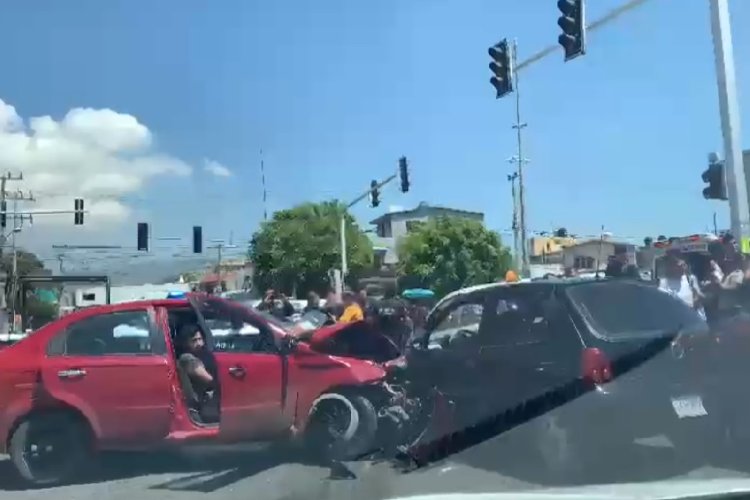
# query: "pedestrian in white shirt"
[[682, 284]]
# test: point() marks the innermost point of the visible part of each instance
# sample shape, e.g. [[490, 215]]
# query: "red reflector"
[[595, 366]]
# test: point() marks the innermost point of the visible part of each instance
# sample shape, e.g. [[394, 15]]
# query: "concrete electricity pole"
[[514, 226], [520, 162], [737, 187]]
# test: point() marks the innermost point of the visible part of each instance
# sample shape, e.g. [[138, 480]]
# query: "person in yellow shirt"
[[352, 310]]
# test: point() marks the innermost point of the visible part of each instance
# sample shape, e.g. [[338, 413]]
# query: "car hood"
[[317, 336], [359, 339]]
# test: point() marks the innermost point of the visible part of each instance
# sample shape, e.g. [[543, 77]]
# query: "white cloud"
[[97, 154], [215, 168]]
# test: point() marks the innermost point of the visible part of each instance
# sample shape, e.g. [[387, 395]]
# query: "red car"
[[106, 378]]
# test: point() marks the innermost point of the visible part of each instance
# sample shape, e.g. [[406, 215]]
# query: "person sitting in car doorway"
[[352, 310], [200, 384]]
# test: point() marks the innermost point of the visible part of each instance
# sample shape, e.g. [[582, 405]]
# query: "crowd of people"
[[716, 285], [390, 314]]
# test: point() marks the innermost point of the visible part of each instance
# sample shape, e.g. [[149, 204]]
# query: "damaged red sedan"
[[107, 378]]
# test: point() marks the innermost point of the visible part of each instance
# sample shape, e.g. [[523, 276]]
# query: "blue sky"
[[335, 91]]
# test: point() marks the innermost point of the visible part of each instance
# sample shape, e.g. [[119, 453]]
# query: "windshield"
[[284, 324], [624, 310]]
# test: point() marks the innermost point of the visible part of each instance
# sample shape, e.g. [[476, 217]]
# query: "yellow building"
[[544, 248]]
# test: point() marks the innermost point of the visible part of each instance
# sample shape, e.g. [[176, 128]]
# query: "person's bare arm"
[[731, 281], [195, 368]]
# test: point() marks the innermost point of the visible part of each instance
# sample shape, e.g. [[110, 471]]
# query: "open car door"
[[250, 373]]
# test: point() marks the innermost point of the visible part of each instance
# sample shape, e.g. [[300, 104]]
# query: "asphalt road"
[[241, 475]]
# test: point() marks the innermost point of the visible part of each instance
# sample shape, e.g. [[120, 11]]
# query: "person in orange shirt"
[[352, 310]]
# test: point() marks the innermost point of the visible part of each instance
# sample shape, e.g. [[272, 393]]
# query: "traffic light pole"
[[514, 226], [729, 110], [520, 161], [342, 224]]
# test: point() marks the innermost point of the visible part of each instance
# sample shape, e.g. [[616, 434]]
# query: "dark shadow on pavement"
[[209, 481], [217, 469]]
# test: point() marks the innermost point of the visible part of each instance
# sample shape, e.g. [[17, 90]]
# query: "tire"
[[356, 437], [66, 432]]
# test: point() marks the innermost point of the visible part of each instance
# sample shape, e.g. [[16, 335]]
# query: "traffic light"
[[197, 239], [78, 214], [3, 214], [403, 170], [715, 177], [572, 21], [143, 236], [502, 68], [374, 194]]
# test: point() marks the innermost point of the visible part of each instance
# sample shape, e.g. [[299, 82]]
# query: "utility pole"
[[4, 178], [520, 161], [220, 245], [263, 184], [516, 254], [729, 111], [15, 196], [716, 226]]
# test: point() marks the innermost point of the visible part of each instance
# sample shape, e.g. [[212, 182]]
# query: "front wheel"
[[341, 427], [48, 450]]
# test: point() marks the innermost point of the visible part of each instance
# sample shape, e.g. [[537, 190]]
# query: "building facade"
[[594, 255], [392, 226], [549, 249]]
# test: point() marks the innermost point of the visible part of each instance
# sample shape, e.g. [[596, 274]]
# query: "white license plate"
[[689, 406]]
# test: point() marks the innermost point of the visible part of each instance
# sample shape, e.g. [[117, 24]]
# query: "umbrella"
[[418, 293]]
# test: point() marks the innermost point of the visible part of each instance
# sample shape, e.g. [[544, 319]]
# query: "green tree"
[[449, 253], [27, 264], [294, 251]]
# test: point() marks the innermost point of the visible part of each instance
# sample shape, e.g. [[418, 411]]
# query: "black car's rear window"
[[622, 310]]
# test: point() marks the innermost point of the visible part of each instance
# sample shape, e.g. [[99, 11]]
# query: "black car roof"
[[539, 284]]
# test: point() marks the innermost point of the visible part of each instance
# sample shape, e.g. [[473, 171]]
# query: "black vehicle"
[[583, 366]]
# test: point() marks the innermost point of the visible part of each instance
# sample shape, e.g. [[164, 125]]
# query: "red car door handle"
[[71, 374], [237, 372]]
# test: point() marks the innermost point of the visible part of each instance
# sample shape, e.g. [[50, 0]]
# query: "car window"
[[621, 310], [235, 328], [463, 319], [518, 317], [118, 333]]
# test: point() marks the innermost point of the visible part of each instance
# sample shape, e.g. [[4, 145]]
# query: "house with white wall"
[[394, 225]]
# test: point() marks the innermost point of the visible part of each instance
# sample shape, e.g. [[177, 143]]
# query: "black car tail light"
[[596, 367]]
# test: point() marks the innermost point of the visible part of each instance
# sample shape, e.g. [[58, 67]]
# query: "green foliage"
[[449, 253], [294, 251], [37, 313], [27, 263]]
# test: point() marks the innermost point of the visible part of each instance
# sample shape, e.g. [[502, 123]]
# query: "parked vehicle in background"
[[69, 389], [599, 362]]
